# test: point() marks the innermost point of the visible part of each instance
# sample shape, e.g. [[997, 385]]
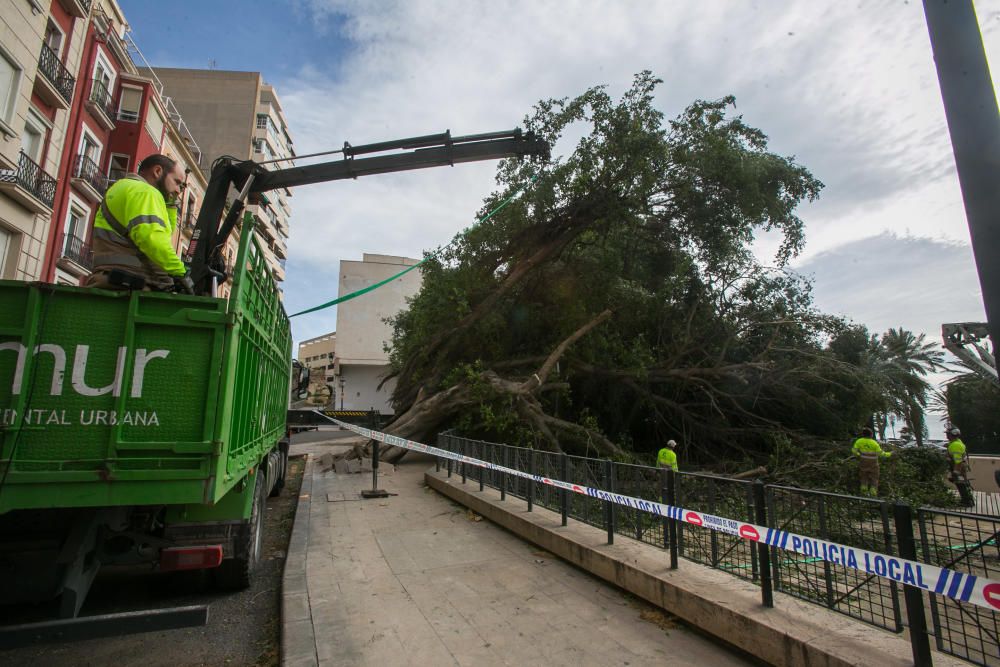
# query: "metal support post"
[[564, 498], [609, 507], [530, 494], [374, 492], [450, 462], [671, 499], [482, 470], [503, 475], [462, 450], [763, 552], [915, 615]]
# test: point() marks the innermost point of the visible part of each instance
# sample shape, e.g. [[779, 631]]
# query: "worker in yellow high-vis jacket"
[[133, 229], [868, 451], [667, 457]]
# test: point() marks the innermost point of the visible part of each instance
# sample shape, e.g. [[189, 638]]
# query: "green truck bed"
[[126, 399]]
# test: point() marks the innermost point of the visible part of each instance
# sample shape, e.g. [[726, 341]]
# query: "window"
[[117, 166], [54, 38], [130, 104], [10, 79], [76, 223], [33, 136], [90, 149], [262, 121], [154, 125], [103, 82], [6, 240]]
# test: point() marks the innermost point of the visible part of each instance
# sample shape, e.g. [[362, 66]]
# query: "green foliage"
[[654, 220]]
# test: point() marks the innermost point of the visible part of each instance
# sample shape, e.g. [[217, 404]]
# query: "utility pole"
[[974, 123]]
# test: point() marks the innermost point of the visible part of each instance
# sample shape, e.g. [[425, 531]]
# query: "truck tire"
[[279, 482], [236, 573]]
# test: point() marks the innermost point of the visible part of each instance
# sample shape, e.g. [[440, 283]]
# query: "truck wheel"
[[279, 482], [236, 573]]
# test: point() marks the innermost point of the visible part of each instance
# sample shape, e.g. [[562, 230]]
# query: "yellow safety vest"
[[868, 448], [956, 449], [135, 212], [667, 458]]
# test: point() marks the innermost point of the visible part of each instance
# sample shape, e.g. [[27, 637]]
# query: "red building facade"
[[117, 118]]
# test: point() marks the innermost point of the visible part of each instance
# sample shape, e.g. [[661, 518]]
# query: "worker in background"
[[959, 460], [133, 229], [868, 452], [667, 457]]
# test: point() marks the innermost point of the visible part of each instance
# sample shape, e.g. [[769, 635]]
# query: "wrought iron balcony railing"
[[79, 251], [86, 169], [190, 220], [101, 96], [32, 178], [56, 72]]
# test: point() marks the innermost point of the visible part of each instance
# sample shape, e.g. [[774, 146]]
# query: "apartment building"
[[318, 355], [361, 361], [41, 44], [239, 114]]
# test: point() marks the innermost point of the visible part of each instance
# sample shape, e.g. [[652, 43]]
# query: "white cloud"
[[848, 88]]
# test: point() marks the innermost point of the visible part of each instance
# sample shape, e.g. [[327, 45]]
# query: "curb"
[[298, 637], [722, 606]]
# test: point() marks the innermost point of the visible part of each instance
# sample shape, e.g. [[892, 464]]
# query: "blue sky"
[[275, 38], [847, 88]]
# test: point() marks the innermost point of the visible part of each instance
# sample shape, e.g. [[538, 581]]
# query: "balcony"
[[88, 179], [77, 257], [189, 221], [101, 105], [55, 85], [77, 8], [29, 185]]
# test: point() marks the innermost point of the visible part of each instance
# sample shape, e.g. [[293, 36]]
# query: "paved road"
[[243, 627], [415, 579]]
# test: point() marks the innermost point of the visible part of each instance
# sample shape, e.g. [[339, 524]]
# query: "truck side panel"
[[105, 397]]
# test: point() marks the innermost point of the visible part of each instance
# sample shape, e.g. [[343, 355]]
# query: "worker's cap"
[[671, 443], [953, 431]]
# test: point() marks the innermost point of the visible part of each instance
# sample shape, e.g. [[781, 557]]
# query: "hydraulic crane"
[[251, 178]]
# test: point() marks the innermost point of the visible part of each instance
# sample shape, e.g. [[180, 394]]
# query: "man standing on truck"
[[868, 451], [133, 229]]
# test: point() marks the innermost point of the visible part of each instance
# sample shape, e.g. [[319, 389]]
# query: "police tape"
[[962, 586]]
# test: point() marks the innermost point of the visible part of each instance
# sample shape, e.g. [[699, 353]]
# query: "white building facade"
[[362, 361]]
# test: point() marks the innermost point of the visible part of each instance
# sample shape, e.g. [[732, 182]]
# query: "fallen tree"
[[617, 301]]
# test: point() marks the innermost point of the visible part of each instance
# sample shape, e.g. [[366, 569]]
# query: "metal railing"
[[79, 251], [960, 541], [32, 178], [190, 220], [53, 70], [86, 169], [101, 97]]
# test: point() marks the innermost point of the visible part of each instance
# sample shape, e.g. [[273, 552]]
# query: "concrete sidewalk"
[[416, 579]]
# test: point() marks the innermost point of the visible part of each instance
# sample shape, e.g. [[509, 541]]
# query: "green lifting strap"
[[354, 295]]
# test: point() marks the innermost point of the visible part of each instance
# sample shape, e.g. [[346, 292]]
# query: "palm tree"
[[908, 358]]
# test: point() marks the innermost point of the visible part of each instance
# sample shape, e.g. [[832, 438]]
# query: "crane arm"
[[250, 178]]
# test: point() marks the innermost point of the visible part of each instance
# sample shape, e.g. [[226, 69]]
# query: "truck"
[[141, 427]]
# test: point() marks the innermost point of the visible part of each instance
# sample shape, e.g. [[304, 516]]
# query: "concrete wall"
[[360, 390], [219, 107], [361, 332]]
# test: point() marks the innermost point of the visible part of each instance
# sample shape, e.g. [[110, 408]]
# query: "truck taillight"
[[190, 558]]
